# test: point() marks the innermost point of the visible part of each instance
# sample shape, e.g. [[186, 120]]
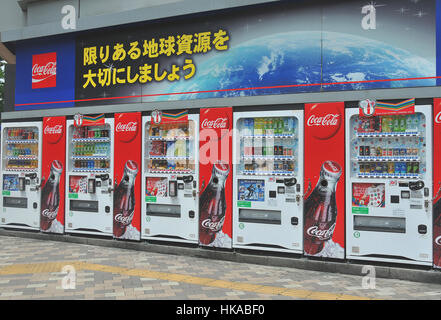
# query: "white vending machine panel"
[[170, 180], [268, 179], [89, 181], [389, 186], [21, 175]]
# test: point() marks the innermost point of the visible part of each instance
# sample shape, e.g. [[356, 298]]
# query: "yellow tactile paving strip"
[[208, 282]]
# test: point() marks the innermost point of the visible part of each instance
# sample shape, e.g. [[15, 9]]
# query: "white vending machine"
[[389, 183], [170, 145], [89, 180], [21, 175], [268, 180]]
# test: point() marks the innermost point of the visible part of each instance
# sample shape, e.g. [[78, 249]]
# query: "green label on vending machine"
[[360, 210], [150, 199], [246, 204], [73, 195]]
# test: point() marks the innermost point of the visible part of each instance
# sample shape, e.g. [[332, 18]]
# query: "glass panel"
[[268, 146], [169, 147], [388, 146], [90, 149], [20, 150]]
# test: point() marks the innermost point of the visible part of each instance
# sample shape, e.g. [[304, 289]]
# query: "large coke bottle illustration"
[[124, 199], [212, 204], [321, 209], [50, 196], [437, 233]]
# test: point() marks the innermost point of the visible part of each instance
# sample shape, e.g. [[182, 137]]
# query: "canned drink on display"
[[416, 167], [367, 151], [379, 152], [361, 151], [409, 167], [402, 152]]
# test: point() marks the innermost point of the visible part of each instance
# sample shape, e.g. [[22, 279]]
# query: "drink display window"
[[20, 151], [168, 147], [390, 146], [268, 146], [91, 149]]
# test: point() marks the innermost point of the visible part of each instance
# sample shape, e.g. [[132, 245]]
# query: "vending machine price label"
[[150, 199], [360, 210], [6, 193], [246, 204], [73, 195]]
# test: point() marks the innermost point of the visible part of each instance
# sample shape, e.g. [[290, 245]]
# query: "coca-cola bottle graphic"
[[50, 196], [437, 234], [321, 209], [124, 199], [212, 204]]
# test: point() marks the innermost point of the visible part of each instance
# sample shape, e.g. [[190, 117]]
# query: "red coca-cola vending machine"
[[127, 160], [170, 177], [53, 175], [215, 168], [324, 204], [437, 184]]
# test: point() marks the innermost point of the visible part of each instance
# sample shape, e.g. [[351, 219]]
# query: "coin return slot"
[[260, 216], [164, 210], [380, 224]]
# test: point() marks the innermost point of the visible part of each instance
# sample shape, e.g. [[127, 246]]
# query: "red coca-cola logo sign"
[[322, 235], [213, 226], [218, 121], [53, 129], [127, 127], [324, 122], [438, 118], [44, 70]]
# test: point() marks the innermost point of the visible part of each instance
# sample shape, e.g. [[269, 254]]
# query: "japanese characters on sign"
[[141, 62]]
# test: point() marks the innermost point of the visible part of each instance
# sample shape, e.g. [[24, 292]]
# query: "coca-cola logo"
[[324, 120], [327, 120], [219, 123], [213, 226], [131, 126], [57, 129], [44, 70], [51, 215], [322, 235], [124, 220], [53, 129], [438, 241], [127, 126], [438, 117]]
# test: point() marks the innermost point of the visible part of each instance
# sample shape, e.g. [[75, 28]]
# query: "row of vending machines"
[[326, 181]]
